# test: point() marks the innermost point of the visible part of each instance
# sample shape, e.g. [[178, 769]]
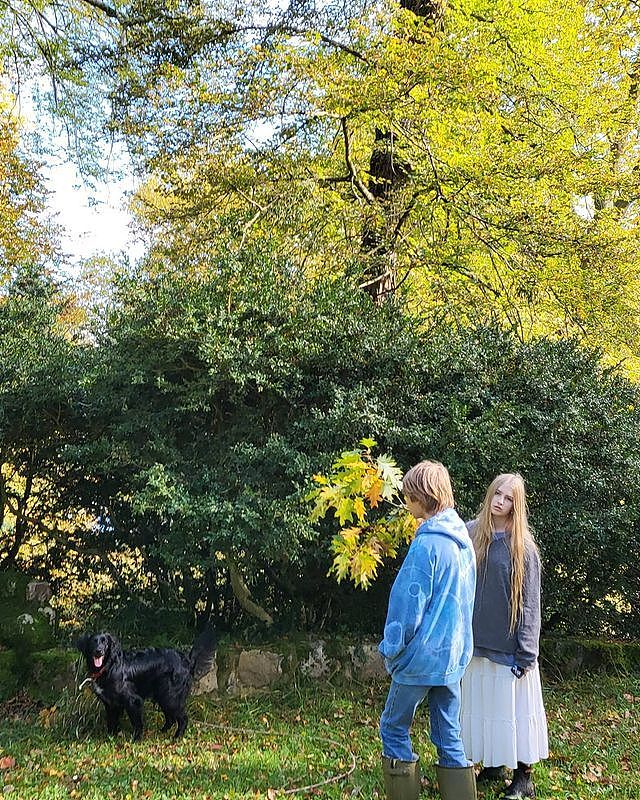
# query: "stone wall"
[[239, 670]]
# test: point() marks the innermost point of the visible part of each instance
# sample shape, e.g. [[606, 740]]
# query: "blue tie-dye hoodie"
[[428, 638]]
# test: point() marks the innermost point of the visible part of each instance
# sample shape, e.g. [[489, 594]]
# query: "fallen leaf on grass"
[[7, 762], [595, 773], [47, 716], [50, 772]]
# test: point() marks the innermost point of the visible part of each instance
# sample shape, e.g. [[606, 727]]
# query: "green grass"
[[264, 745]]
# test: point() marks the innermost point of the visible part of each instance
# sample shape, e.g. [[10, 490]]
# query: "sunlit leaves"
[[272, 140], [358, 486], [24, 238]]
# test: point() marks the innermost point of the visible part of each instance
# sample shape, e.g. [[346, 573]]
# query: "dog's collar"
[[95, 675]]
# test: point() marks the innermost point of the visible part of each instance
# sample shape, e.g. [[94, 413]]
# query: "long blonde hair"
[[520, 540]]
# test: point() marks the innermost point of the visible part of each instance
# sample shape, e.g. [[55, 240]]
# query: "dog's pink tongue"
[[97, 661]]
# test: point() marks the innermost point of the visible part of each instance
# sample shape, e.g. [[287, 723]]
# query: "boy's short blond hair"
[[429, 484]]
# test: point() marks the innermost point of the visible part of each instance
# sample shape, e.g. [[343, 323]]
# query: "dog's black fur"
[[123, 679]]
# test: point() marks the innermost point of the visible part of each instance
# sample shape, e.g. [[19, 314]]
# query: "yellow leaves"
[[366, 490], [355, 558], [344, 510], [47, 716], [359, 509], [347, 537], [372, 487], [364, 565]]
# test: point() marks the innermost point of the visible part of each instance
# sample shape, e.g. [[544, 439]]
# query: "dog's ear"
[[82, 642], [114, 645]]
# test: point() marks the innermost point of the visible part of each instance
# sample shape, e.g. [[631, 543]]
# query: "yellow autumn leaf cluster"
[[364, 490]]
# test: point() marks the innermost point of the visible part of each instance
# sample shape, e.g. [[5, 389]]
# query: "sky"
[[94, 219]]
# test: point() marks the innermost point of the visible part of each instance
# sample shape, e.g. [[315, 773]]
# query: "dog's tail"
[[203, 653]]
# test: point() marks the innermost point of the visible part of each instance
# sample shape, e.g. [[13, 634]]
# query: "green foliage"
[[551, 411], [213, 400], [179, 434], [510, 191], [10, 670], [41, 372], [209, 418], [140, 621], [24, 236], [358, 487], [13, 585], [566, 656], [51, 673], [24, 626]]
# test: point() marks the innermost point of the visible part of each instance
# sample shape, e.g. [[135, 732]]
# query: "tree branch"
[[355, 179], [242, 593], [108, 10]]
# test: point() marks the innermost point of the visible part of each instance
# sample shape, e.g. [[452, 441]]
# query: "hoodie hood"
[[446, 523]]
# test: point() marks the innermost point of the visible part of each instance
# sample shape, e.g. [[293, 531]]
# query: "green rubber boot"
[[456, 783], [401, 779]]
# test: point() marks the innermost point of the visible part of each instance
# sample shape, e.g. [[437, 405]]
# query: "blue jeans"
[[444, 714]]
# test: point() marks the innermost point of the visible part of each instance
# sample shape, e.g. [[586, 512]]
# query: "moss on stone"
[[50, 672], [563, 657], [9, 674]]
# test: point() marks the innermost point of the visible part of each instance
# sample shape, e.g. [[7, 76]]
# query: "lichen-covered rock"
[[318, 664], [38, 592], [208, 682], [258, 668], [368, 664]]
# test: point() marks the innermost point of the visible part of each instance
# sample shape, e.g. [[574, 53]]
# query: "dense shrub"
[[213, 400], [550, 410]]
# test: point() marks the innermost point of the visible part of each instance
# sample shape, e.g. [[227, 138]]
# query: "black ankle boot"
[[521, 785], [487, 774]]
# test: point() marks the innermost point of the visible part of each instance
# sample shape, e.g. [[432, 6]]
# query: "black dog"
[[123, 680]]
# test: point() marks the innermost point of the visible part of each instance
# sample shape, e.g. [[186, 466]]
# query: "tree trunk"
[[388, 174]]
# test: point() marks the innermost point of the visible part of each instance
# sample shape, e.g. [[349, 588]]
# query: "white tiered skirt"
[[503, 719]]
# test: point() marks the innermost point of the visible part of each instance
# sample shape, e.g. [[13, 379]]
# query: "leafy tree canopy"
[[25, 238], [482, 156], [40, 386], [511, 186], [212, 400]]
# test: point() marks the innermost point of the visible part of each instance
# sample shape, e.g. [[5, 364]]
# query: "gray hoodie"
[[491, 637]]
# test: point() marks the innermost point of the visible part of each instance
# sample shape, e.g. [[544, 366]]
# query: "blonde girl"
[[503, 718]]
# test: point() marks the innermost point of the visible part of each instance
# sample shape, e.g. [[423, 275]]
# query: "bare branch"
[[108, 10]]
